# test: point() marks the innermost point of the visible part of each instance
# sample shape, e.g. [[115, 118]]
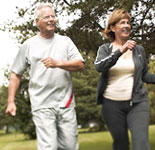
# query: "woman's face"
[[122, 29]]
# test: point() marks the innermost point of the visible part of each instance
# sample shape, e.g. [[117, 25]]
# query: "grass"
[[16, 142], [87, 141], [95, 141]]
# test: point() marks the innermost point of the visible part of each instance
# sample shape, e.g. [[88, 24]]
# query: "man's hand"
[[69, 65], [50, 62], [11, 109]]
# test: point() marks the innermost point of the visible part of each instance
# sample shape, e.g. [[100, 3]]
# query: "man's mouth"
[[51, 24]]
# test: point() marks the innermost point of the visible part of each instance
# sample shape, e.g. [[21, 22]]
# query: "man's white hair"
[[37, 10]]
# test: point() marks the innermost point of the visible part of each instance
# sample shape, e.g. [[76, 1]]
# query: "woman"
[[121, 89]]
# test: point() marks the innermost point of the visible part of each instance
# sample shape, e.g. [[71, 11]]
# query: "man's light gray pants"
[[56, 129]]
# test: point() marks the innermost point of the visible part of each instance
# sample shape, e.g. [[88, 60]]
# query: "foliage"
[[24, 116], [151, 90], [23, 119], [84, 85], [93, 15], [4, 121], [90, 20]]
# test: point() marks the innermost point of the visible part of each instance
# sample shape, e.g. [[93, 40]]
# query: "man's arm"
[[13, 86], [69, 65]]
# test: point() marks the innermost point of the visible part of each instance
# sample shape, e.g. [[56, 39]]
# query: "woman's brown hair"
[[115, 17]]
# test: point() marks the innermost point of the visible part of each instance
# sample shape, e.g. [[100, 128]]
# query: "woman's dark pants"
[[119, 116]]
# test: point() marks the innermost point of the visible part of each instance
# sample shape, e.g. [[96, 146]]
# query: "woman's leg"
[[138, 122], [115, 116]]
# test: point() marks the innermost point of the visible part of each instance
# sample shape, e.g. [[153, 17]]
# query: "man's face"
[[46, 21]]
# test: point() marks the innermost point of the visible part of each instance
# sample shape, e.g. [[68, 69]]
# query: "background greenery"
[[87, 141], [86, 32]]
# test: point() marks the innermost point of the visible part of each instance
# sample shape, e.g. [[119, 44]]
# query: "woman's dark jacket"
[[106, 59]]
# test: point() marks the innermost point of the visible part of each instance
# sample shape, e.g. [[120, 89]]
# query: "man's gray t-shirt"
[[48, 87]]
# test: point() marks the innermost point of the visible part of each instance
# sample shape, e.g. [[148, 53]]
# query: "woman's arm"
[[146, 76], [105, 58]]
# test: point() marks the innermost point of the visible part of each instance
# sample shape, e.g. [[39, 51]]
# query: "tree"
[[84, 85], [5, 121], [151, 88], [24, 116], [90, 20], [93, 15], [23, 119]]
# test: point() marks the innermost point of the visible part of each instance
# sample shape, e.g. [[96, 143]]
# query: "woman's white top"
[[120, 83]]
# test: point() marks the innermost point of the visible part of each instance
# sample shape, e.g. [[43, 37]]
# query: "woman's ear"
[[112, 28]]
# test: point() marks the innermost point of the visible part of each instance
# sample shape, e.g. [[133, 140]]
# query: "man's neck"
[[47, 35]]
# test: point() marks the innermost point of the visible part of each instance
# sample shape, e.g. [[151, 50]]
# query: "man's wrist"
[[60, 63], [11, 101]]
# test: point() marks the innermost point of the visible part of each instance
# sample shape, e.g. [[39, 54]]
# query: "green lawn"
[[87, 141]]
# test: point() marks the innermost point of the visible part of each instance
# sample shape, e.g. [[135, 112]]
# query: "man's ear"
[[36, 21]]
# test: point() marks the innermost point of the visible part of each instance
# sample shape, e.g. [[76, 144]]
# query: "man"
[[51, 58]]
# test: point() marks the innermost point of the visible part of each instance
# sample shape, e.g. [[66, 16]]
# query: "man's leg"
[[67, 130], [138, 122], [45, 122]]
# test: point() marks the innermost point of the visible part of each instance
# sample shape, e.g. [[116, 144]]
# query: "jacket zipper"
[[134, 60]]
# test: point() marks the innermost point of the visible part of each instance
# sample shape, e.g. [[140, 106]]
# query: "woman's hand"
[[129, 45]]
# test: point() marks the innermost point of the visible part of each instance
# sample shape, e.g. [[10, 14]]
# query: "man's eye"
[[46, 17]]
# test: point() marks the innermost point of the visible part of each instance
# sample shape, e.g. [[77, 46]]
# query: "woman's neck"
[[119, 42]]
